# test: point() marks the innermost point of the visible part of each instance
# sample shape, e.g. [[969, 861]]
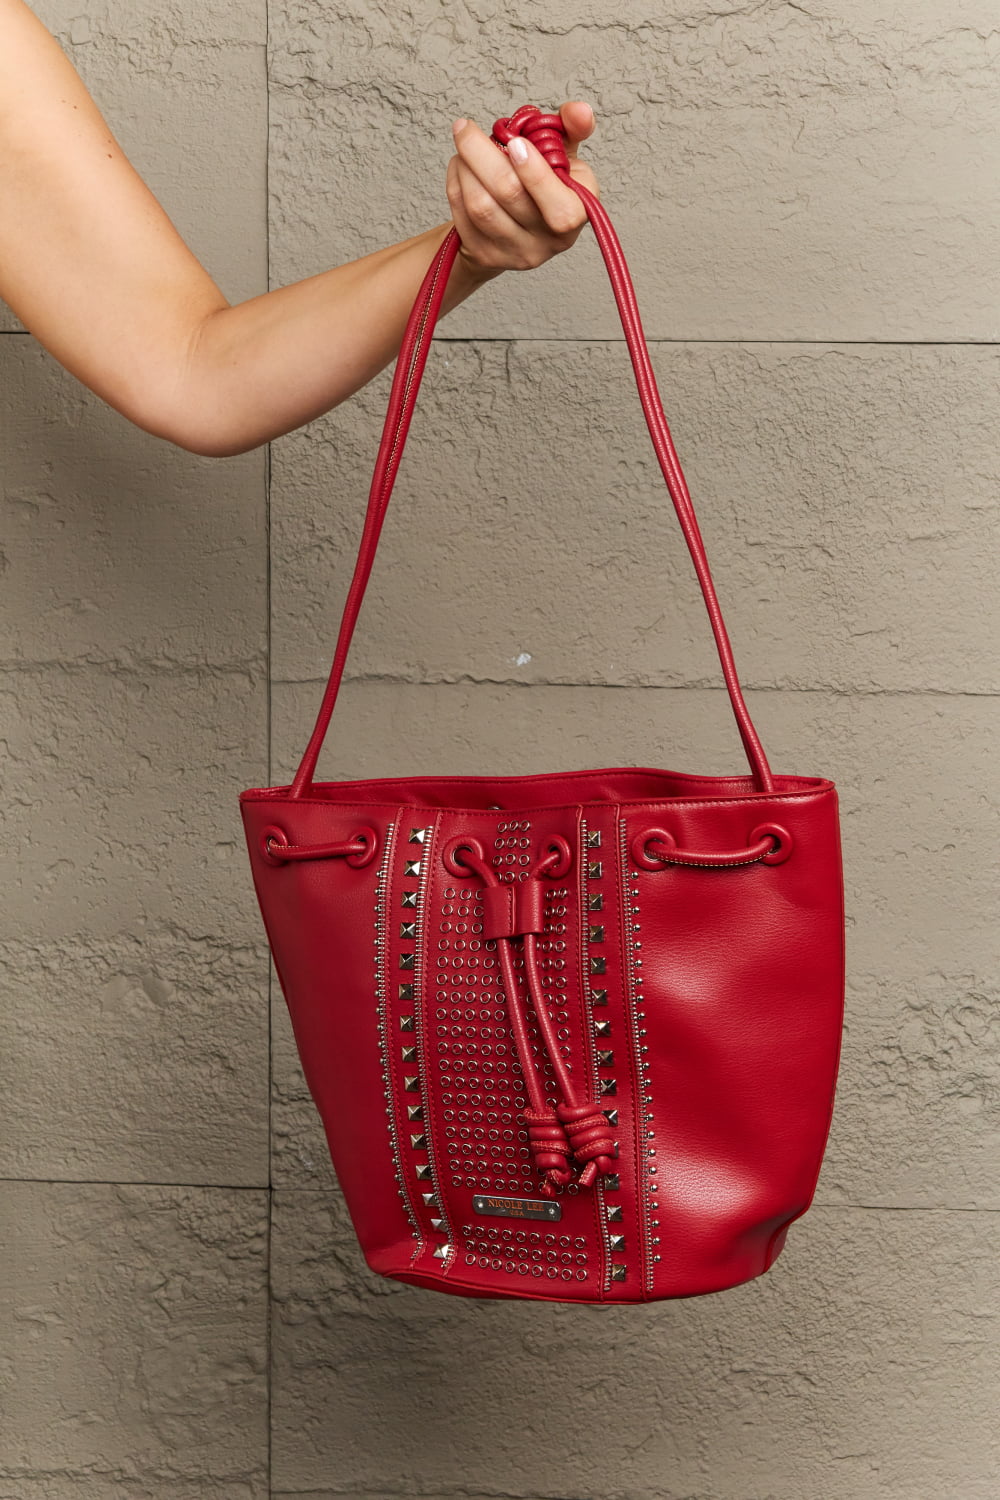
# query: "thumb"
[[578, 120]]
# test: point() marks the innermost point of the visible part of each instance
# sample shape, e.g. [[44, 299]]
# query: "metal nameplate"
[[515, 1208]]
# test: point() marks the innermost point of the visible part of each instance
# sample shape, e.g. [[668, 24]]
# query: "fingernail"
[[518, 150], [458, 125]]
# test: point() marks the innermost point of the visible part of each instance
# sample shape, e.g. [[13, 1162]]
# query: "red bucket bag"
[[573, 1036]]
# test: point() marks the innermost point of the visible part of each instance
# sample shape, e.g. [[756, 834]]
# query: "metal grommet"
[[369, 838], [784, 843], [559, 846], [273, 835], [453, 864], [639, 847]]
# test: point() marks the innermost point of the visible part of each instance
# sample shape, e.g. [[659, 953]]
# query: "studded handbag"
[[573, 1036]]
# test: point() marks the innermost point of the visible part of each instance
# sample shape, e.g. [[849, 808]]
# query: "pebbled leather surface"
[[691, 959]]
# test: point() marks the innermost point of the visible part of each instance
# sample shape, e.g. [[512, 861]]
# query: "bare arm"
[[95, 269]]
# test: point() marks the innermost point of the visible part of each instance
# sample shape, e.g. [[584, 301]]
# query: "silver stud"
[[605, 1059], [410, 1055], [411, 867], [411, 1083], [617, 1242], [407, 929], [417, 835], [441, 1252], [406, 1023], [611, 1115], [430, 1200], [608, 1086], [594, 839], [618, 1273], [409, 898], [418, 1142], [595, 869], [424, 1172], [598, 965], [406, 991], [437, 1224], [596, 934], [596, 901], [656, 1258], [612, 1182], [406, 960], [615, 1213], [598, 997], [602, 1028], [414, 1111]]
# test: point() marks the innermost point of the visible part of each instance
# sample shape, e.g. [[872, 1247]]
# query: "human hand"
[[511, 215]]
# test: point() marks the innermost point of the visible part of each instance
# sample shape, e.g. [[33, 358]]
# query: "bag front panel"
[[701, 1007]]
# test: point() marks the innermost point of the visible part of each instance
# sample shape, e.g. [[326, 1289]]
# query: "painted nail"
[[518, 150]]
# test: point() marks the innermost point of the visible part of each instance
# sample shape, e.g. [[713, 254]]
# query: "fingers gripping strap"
[[547, 132]]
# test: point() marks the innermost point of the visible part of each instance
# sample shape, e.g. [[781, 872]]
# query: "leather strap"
[[546, 130]]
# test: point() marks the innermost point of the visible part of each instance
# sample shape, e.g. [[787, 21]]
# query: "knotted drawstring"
[[576, 1129], [545, 132]]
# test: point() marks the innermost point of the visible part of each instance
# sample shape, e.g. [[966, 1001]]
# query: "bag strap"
[[546, 132]]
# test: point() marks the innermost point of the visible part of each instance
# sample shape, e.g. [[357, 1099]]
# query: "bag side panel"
[[742, 986]]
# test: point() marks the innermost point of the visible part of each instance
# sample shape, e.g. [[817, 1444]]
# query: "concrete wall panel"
[[134, 1352], [775, 171], [835, 487], [822, 1378]]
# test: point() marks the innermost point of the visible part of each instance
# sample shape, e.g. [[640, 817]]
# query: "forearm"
[[277, 361]]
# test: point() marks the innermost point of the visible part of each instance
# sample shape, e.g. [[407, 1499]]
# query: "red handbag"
[[573, 1036]]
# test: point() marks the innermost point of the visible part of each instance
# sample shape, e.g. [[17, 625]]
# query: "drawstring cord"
[[575, 1131]]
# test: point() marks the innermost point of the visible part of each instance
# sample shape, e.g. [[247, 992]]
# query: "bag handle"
[[546, 132]]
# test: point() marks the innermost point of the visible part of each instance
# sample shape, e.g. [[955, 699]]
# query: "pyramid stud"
[[594, 839], [598, 997], [612, 1182], [406, 992], [595, 869], [617, 1242], [618, 1273], [411, 867], [615, 1214], [417, 835], [596, 901], [407, 929], [411, 1083], [430, 1200], [409, 898], [596, 935], [424, 1172], [441, 1252], [597, 965], [608, 1086], [406, 960], [602, 1028], [418, 1142], [406, 1023], [611, 1115], [437, 1224], [414, 1111], [605, 1059]]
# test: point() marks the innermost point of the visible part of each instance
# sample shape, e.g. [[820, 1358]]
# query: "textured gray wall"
[[811, 200]]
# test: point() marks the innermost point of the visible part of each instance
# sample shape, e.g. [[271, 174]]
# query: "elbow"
[[197, 432]]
